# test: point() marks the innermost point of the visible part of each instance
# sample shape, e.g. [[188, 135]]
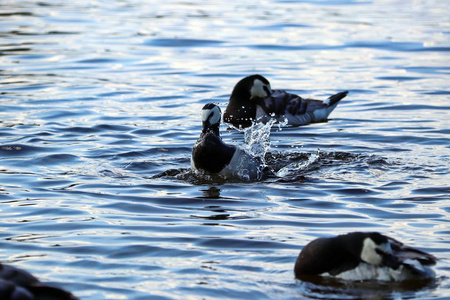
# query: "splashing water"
[[301, 166], [257, 139], [250, 162]]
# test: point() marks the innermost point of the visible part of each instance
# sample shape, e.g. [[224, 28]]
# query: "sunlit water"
[[100, 107]]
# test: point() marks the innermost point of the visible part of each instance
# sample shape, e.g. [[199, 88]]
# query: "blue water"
[[100, 107]]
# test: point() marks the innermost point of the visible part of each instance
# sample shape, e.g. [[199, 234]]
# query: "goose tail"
[[332, 100]]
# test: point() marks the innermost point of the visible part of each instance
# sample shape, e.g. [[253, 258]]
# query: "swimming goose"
[[253, 100], [17, 284], [363, 256], [212, 156]]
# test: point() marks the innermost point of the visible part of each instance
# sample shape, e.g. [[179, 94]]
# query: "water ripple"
[[100, 107]]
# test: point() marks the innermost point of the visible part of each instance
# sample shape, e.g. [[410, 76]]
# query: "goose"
[[253, 100], [363, 256], [212, 156], [18, 284]]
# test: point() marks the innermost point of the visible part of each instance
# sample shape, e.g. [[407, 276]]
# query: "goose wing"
[[404, 252], [281, 103]]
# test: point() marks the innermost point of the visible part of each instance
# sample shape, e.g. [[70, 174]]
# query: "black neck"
[[208, 127]]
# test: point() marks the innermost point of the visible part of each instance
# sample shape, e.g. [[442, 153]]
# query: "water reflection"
[[331, 288], [211, 192], [99, 107]]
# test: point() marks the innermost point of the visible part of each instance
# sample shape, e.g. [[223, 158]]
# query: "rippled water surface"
[[100, 107]]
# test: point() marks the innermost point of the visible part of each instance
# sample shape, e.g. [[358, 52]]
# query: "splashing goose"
[[211, 156]]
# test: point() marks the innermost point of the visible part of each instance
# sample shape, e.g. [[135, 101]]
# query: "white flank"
[[370, 272], [322, 114], [242, 166]]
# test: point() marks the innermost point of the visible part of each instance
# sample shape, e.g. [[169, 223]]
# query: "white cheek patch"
[[213, 114], [205, 114], [368, 253], [257, 89]]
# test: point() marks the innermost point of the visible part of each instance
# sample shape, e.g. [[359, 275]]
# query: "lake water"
[[100, 107]]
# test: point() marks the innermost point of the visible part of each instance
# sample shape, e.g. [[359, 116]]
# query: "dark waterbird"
[[18, 284], [363, 256], [253, 100], [211, 156]]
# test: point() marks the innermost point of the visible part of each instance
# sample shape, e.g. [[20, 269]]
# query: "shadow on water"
[[317, 287]]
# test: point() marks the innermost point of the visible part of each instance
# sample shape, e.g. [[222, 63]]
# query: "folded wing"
[[281, 103]]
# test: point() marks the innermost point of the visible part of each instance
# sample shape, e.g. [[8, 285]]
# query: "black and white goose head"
[[260, 87], [251, 88], [376, 250], [246, 95], [363, 256], [211, 115]]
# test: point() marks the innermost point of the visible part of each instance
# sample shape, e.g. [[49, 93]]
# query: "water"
[[100, 107]]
